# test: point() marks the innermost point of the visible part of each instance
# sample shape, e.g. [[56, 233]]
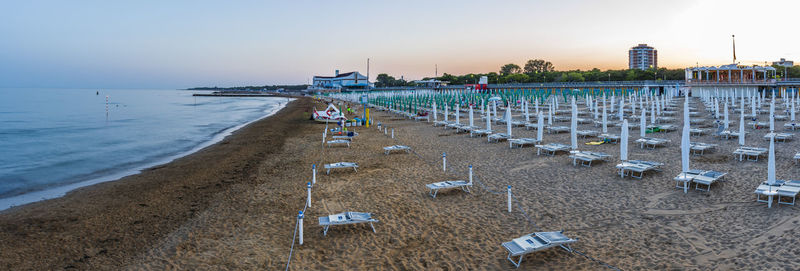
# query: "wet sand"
[[234, 206]]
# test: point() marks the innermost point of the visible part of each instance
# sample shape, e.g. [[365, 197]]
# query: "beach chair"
[[535, 242], [664, 119], [551, 148], [341, 165], [768, 191], [345, 219], [587, 157], [667, 128], [758, 124], [529, 126], [751, 153], [696, 121], [788, 189], [585, 133], [466, 129], [652, 142], [435, 187], [705, 177], [796, 157], [780, 117], [631, 167], [790, 125], [557, 129], [346, 136], [611, 138], [561, 118], [338, 142], [389, 149], [584, 121], [441, 123], [521, 142], [498, 137], [779, 137], [696, 132], [699, 148], [480, 132]]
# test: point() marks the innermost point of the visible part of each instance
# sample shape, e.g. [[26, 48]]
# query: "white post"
[[444, 162], [300, 225], [509, 198], [384, 130], [324, 134], [308, 200], [392, 133], [470, 174], [313, 173]]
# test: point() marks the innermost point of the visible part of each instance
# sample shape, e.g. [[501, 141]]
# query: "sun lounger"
[[751, 153], [466, 128], [585, 133], [791, 125], [700, 148], [389, 149], [441, 123], [610, 138], [631, 167], [587, 157], [696, 121], [664, 119], [758, 124], [551, 149], [609, 123], [521, 142], [788, 189], [584, 120], [339, 142], [418, 118], [703, 177], [345, 136], [779, 137], [480, 132], [346, 218], [561, 118], [667, 128], [696, 132], [557, 129], [535, 242], [341, 165], [517, 123], [435, 187], [796, 157], [498, 137], [652, 142], [780, 117], [766, 190], [529, 126]]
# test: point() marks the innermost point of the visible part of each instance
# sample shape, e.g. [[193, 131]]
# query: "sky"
[[180, 44]]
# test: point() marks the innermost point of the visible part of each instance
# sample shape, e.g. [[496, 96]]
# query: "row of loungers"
[[698, 177], [781, 189], [632, 167]]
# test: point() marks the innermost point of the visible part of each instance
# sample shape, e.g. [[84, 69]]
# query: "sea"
[[56, 140]]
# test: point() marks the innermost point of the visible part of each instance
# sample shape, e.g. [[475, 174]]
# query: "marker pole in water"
[[444, 162], [300, 225], [313, 173], [509, 198], [308, 200]]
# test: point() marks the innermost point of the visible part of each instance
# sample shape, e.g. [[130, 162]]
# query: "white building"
[[642, 57], [340, 81]]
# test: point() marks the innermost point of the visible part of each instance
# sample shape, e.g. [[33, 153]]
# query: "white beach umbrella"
[[753, 105], [471, 118], [574, 126], [741, 129], [508, 120], [771, 162], [540, 126], [605, 116], [685, 145], [446, 112], [653, 113], [623, 144], [716, 108], [621, 109], [458, 113], [550, 115], [494, 109], [643, 124], [527, 115], [792, 108], [488, 120], [596, 113], [536, 103], [435, 118], [613, 102], [726, 117], [772, 116]]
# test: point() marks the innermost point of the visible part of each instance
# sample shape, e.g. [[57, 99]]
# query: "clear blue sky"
[[176, 44]]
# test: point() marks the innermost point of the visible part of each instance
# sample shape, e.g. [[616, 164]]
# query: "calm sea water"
[[55, 140]]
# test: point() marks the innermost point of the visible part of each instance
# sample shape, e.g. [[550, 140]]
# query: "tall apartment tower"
[[642, 57]]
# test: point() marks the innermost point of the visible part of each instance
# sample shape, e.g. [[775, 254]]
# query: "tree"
[[537, 66], [509, 69], [516, 78], [384, 80]]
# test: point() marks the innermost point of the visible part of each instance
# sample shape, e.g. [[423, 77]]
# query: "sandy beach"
[[233, 206]]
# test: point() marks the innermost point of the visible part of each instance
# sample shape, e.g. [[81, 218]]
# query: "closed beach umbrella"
[[494, 108], [446, 112], [771, 162], [605, 121], [458, 113], [623, 144], [653, 112], [753, 105], [726, 117], [613, 102], [435, 118], [550, 115], [741, 129], [508, 120], [621, 109], [471, 118], [540, 127], [792, 113], [488, 121], [772, 116], [643, 124], [527, 115], [596, 114], [685, 144], [573, 137]]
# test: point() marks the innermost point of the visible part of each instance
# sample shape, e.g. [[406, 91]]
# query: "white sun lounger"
[[699, 177], [466, 128], [652, 142], [418, 118], [631, 167], [664, 119], [781, 117], [696, 132], [587, 157], [441, 123], [584, 121], [779, 137], [586, 133], [766, 190], [667, 128], [791, 125], [551, 148], [346, 137], [757, 124], [339, 142], [521, 142], [341, 165], [557, 129], [389, 149], [529, 126], [699, 148], [498, 137], [751, 153], [796, 157], [346, 218], [480, 132], [535, 242], [561, 118], [696, 121], [788, 189], [435, 187]]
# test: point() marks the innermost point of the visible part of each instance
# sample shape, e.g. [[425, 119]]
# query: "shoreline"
[[60, 191], [109, 224]]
